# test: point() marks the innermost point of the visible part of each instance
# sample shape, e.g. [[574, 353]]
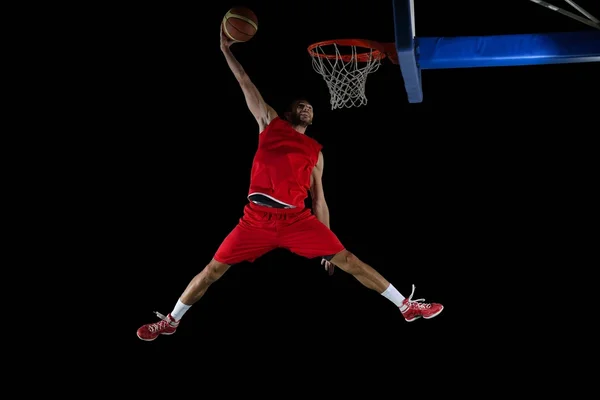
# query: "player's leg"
[[200, 284], [244, 243], [195, 289], [251, 238], [411, 309], [363, 272], [310, 238]]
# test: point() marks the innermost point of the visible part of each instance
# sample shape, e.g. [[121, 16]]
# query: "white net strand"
[[346, 80]]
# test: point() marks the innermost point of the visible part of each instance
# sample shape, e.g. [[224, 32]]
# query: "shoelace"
[[159, 325], [418, 302]]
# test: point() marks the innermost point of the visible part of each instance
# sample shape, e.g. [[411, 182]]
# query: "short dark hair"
[[294, 101]]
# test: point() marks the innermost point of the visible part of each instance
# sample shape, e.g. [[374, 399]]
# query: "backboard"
[[345, 64], [420, 53]]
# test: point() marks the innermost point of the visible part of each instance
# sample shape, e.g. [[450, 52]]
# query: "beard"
[[297, 120]]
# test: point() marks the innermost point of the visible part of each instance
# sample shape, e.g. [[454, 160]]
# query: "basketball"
[[240, 24]]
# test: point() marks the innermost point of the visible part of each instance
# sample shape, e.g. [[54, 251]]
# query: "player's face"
[[303, 113]]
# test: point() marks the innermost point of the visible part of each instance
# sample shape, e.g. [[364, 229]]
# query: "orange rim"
[[377, 50]]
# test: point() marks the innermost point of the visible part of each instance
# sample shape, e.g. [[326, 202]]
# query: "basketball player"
[[287, 165]]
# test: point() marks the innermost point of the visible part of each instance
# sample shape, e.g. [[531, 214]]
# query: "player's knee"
[[214, 270], [347, 261]]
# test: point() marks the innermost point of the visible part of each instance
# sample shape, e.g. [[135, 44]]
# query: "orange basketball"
[[240, 24]]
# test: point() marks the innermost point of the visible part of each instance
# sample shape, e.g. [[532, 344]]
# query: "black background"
[[449, 195]]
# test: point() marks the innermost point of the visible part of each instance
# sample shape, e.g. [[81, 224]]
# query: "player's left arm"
[[319, 205]]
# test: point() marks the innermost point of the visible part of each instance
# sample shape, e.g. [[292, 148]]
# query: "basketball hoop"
[[345, 65]]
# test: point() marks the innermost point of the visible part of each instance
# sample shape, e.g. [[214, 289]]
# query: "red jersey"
[[283, 164]]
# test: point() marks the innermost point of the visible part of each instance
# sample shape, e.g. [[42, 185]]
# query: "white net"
[[345, 73]]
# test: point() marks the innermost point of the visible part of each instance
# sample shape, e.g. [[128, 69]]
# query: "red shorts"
[[262, 229]]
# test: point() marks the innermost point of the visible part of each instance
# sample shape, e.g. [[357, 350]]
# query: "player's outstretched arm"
[[263, 113]]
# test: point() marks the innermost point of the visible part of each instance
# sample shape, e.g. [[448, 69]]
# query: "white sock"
[[393, 295], [179, 310]]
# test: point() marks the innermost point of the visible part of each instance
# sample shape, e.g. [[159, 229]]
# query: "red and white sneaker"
[[167, 326], [415, 309]]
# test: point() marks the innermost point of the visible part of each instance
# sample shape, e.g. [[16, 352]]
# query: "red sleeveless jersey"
[[283, 164]]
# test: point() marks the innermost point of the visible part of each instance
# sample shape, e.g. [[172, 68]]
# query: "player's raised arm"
[[263, 113]]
